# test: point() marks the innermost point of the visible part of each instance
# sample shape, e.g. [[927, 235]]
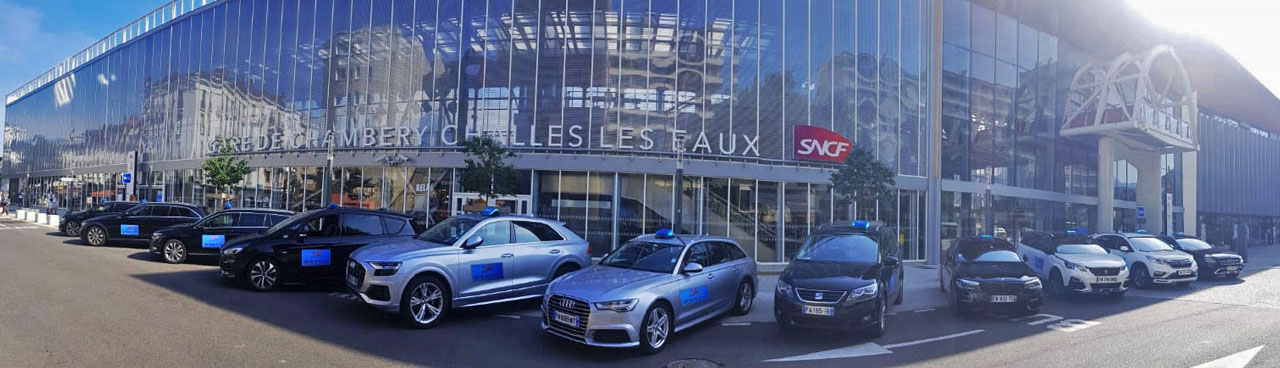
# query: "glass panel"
[[767, 222], [797, 217], [600, 213], [632, 210], [715, 207]]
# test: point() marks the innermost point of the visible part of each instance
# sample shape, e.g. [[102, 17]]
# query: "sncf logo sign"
[[817, 144]]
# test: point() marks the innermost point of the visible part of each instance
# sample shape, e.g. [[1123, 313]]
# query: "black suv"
[[136, 224], [70, 223], [1212, 261], [206, 237], [843, 277], [985, 273], [310, 246]]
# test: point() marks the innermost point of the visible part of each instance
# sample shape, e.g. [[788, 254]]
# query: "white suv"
[[1151, 259], [1075, 263]]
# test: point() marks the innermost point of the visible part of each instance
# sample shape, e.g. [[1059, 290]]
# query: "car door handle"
[[508, 255], [711, 276], [555, 251]]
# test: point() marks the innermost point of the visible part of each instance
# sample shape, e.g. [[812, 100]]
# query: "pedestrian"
[[4, 207], [1242, 244]]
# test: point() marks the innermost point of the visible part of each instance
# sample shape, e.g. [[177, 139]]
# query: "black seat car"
[[310, 246], [70, 223], [1212, 261], [985, 274], [176, 243], [843, 277], [136, 224]]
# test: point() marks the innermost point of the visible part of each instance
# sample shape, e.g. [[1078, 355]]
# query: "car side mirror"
[[473, 242], [1125, 248], [692, 267], [892, 261]]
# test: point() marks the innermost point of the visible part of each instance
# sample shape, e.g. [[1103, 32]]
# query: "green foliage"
[[487, 171], [864, 180], [223, 170]]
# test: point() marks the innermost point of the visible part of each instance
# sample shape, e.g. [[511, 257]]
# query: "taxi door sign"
[[315, 257], [1039, 263], [486, 272], [129, 230], [212, 241], [694, 296]]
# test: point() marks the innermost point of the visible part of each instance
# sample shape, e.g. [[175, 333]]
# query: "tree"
[[863, 180], [223, 170], [487, 172]]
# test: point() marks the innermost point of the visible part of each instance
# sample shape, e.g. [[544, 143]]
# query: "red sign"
[[817, 144]]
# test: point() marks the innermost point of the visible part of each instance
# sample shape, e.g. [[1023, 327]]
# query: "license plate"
[[1184, 272], [1109, 279], [565, 318], [1004, 298], [819, 311], [1233, 268], [353, 280]]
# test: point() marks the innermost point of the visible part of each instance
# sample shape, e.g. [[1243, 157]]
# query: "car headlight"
[[156, 235], [1210, 260], [970, 285], [784, 287], [1075, 266], [384, 268], [232, 251], [620, 306], [1033, 284], [1159, 260], [864, 293]]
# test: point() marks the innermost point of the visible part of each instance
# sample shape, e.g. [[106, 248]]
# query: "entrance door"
[[467, 202]]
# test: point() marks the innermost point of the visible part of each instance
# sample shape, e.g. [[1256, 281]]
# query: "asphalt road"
[[68, 304]]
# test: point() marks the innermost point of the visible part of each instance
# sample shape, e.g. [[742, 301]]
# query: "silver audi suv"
[[464, 261], [650, 288]]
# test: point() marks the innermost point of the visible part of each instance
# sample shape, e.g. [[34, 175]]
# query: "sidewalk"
[[919, 291]]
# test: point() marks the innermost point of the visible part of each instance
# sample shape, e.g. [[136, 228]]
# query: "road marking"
[[923, 310], [736, 324], [1043, 318], [868, 349], [1072, 325], [891, 313], [510, 316], [1237, 360], [346, 296]]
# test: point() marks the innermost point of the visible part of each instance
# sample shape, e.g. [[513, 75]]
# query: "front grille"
[[354, 270], [1105, 285], [1002, 288], [1180, 263], [819, 296], [571, 306], [1231, 261], [379, 293], [1100, 271]]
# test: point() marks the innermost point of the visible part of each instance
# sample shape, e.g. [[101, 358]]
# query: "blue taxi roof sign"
[[664, 234], [489, 211], [986, 237], [1142, 231], [333, 205], [861, 224]]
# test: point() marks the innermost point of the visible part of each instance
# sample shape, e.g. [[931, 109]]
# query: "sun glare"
[[1244, 28]]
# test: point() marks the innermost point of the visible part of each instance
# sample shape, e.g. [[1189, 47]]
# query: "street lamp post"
[[328, 170], [678, 214]]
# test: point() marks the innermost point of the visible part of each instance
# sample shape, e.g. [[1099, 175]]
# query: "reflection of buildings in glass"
[[372, 79], [188, 112]]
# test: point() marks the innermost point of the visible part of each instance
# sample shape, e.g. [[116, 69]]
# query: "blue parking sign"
[[126, 178]]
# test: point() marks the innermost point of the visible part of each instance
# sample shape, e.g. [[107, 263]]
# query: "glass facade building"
[[595, 96]]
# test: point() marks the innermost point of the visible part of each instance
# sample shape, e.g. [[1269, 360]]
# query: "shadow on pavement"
[[197, 260]]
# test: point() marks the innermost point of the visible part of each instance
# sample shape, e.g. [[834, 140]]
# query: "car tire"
[[958, 308], [72, 229], [656, 329], [1141, 277], [425, 302], [942, 287], [876, 331], [96, 236], [898, 300], [262, 274], [174, 251], [745, 299], [1055, 288]]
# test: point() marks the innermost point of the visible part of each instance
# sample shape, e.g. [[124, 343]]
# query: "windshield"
[[840, 248], [645, 256], [448, 231], [1081, 249], [289, 223], [1194, 244], [998, 256], [1149, 244]]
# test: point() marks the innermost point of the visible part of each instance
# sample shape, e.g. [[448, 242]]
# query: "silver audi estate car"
[[464, 261], [649, 288]]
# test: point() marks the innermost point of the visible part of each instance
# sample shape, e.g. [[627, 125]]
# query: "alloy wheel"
[[426, 302], [744, 303], [658, 327], [73, 228], [96, 236], [263, 275], [1141, 279], [174, 251]]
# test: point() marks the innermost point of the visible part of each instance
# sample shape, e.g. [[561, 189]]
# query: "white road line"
[[510, 316], [924, 310], [1237, 360], [939, 338], [736, 324], [891, 313]]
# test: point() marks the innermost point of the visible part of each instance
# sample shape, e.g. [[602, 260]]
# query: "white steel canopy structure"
[[1143, 100]]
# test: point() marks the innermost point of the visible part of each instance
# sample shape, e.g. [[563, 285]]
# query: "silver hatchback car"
[[651, 287], [464, 261]]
